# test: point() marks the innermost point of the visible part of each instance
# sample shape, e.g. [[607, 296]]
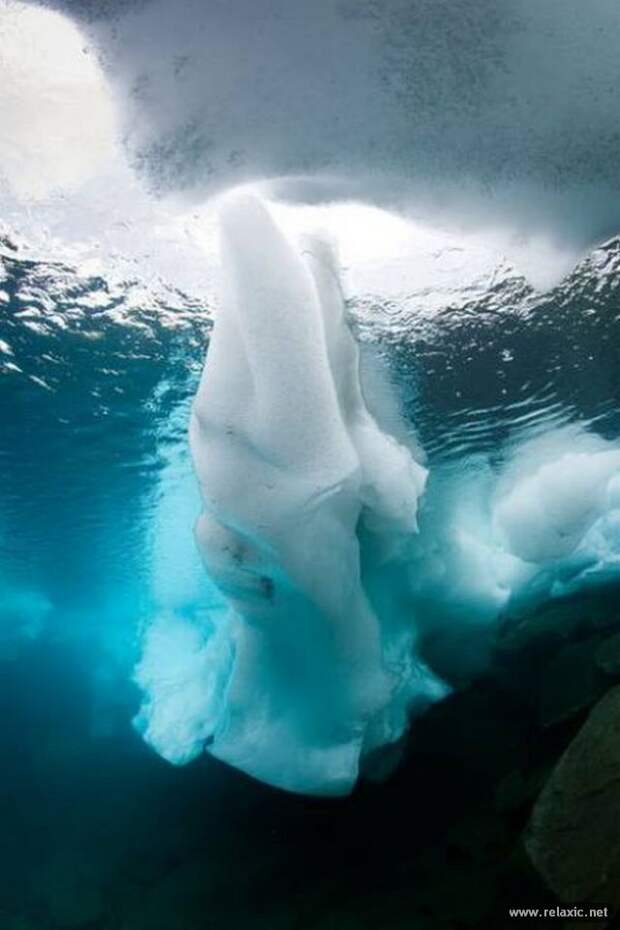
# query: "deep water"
[[98, 832]]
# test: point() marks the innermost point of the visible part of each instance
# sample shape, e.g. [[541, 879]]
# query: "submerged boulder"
[[573, 837]]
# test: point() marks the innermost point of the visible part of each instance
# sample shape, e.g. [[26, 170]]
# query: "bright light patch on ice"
[[380, 252], [391, 255], [56, 113]]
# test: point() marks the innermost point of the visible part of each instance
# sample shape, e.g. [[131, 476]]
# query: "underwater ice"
[[345, 591], [307, 504]]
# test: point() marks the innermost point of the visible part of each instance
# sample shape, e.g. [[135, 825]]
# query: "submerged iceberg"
[[346, 588], [308, 507]]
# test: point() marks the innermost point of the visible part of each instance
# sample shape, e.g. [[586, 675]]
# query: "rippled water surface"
[[97, 378]]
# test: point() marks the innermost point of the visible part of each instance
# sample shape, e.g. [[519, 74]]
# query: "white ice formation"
[[336, 606]]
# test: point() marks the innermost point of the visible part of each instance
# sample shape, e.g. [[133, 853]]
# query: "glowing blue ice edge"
[[299, 657]]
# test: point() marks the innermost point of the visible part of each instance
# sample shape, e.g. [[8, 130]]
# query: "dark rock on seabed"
[[573, 836]]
